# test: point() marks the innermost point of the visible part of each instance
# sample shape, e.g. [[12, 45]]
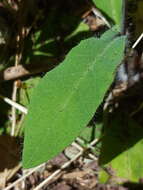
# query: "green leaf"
[[81, 28], [103, 176], [42, 53], [122, 147], [111, 8], [68, 96]]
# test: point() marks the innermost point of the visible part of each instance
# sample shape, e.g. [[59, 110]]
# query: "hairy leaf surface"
[[68, 96]]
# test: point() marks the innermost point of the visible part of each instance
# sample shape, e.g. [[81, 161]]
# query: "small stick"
[[15, 88], [14, 104], [19, 128], [14, 94], [79, 140], [77, 146], [137, 41], [23, 177], [92, 156], [94, 142], [58, 171], [67, 163]]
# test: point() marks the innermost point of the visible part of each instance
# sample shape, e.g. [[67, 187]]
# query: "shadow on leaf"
[[121, 134]]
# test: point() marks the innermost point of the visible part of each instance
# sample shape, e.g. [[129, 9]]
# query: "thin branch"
[[14, 104], [23, 177], [68, 163], [14, 171], [14, 96], [92, 156], [15, 88], [58, 171], [19, 125], [77, 146], [12, 73], [137, 41]]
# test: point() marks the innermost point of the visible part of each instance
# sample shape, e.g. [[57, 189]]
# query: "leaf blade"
[[67, 102], [122, 147]]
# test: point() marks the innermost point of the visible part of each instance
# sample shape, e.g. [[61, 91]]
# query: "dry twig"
[[14, 93], [14, 104], [23, 177], [17, 72]]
